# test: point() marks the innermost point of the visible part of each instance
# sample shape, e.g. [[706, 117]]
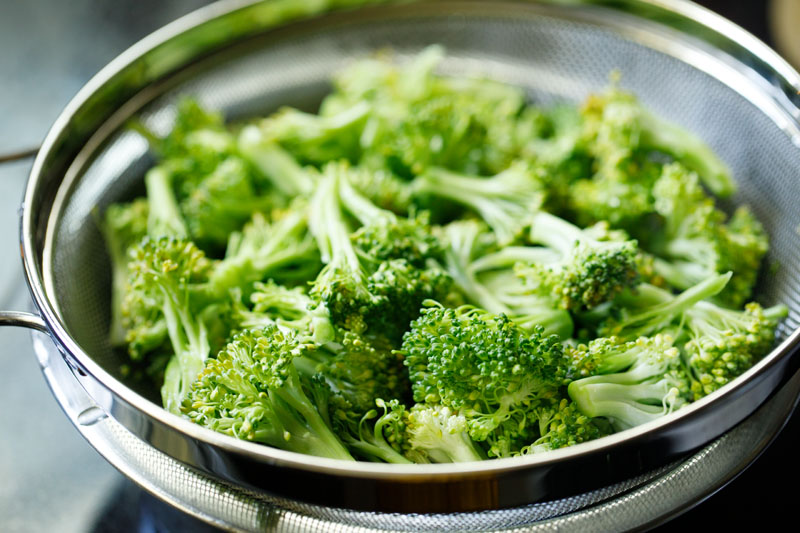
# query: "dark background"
[[50, 479]]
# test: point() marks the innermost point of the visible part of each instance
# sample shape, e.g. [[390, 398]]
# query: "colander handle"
[[23, 319]]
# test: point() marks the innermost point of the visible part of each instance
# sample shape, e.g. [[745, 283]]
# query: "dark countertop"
[[52, 480]]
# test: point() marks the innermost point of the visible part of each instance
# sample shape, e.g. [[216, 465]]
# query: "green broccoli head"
[[482, 366], [253, 391], [562, 424], [696, 242], [631, 382], [593, 267], [724, 343]]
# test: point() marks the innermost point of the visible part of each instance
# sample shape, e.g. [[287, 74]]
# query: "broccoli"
[[432, 269], [222, 202], [629, 383], [361, 290], [562, 424], [724, 343], [419, 120], [437, 434], [486, 369], [123, 226], [505, 201], [616, 124], [649, 309], [283, 249], [591, 268], [696, 242], [162, 272], [274, 163], [253, 391], [285, 307], [489, 280], [316, 139]]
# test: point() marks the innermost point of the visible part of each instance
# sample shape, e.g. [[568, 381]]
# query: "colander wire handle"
[[23, 319]]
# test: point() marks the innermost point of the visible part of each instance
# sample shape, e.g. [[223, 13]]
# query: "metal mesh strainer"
[[250, 58]]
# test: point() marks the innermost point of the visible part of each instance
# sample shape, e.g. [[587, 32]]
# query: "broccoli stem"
[[689, 150], [164, 216], [360, 207], [659, 308], [327, 444], [189, 340], [556, 233], [274, 163]]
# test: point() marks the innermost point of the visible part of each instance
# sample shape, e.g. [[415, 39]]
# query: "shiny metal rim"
[[677, 488], [716, 30]]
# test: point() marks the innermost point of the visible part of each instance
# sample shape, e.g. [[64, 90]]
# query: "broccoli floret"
[[648, 309], [489, 280], [419, 120], [284, 307], [632, 382], [253, 391], [485, 368], [360, 290], [616, 124], [696, 242], [562, 424], [375, 438], [724, 343], [123, 226], [283, 249], [222, 202], [383, 235], [591, 269], [349, 375], [162, 273], [439, 435], [505, 201], [317, 139], [357, 371]]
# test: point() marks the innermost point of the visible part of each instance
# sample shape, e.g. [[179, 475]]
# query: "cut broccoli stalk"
[[274, 163], [656, 309], [505, 201], [164, 215], [634, 382]]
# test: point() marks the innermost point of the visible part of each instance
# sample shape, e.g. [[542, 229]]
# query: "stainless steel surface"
[[23, 319], [676, 74], [645, 501]]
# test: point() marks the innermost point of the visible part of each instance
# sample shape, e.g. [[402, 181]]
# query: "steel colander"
[[249, 58]]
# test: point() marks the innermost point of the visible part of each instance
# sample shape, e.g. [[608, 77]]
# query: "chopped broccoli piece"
[[506, 201], [485, 368], [632, 382], [589, 271], [253, 391]]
